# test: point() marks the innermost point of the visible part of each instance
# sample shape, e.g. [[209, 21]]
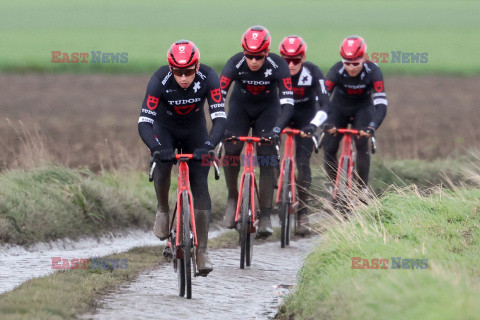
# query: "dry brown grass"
[[91, 120]]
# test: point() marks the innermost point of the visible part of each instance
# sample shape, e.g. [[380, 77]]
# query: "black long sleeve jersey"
[[354, 92], [178, 109], [260, 86]]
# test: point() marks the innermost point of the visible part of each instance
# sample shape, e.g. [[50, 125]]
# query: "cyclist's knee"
[[265, 150], [233, 149]]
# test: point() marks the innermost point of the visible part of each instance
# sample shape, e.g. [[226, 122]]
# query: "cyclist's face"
[[295, 63], [184, 76], [255, 60], [353, 67]]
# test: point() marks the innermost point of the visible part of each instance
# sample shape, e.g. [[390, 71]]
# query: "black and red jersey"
[[173, 107], [261, 84], [366, 88], [308, 86]]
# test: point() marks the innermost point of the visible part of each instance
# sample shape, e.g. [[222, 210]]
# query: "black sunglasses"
[[295, 61], [257, 57], [355, 64], [183, 72]]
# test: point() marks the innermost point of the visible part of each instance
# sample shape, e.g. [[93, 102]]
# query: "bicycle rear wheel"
[[284, 207], [245, 221], [187, 244]]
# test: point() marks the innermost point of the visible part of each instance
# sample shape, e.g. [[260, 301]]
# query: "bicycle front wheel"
[[342, 189], [187, 244], [245, 220], [284, 207]]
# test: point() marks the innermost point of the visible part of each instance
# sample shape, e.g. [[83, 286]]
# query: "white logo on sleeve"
[[268, 72], [322, 85]]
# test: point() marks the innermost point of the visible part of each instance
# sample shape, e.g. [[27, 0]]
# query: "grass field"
[[441, 227], [446, 30]]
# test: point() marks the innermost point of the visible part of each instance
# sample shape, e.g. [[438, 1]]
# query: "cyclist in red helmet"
[[172, 117], [262, 99], [311, 109], [358, 92]]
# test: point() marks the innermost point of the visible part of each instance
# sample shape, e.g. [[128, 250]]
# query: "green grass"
[[145, 30], [442, 227], [52, 202]]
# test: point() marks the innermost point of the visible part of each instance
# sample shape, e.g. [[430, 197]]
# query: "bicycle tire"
[[251, 229], [342, 191], [187, 244], [244, 234], [181, 277], [284, 210]]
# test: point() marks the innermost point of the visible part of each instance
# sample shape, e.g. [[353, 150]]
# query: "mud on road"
[[227, 293]]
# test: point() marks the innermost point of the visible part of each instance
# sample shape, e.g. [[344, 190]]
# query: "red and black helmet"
[[256, 39], [182, 54], [292, 46], [353, 47]]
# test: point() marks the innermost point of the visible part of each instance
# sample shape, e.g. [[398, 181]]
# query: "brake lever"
[[374, 145], [152, 168], [215, 163], [219, 151], [277, 147]]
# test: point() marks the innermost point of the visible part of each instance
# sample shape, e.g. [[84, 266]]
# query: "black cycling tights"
[[261, 118], [183, 139], [340, 119]]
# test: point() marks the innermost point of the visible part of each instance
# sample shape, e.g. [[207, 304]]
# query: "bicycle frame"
[[288, 153], [248, 168], [184, 186], [347, 151]]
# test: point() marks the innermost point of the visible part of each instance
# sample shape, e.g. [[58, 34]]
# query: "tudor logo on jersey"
[[378, 85], [216, 95], [152, 102], [299, 92], [287, 82], [224, 82], [183, 110], [255, 89]]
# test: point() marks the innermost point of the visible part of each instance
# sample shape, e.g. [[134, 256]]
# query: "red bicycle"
[[247, 203], [182, 240], [286, 201], [346, 163]]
